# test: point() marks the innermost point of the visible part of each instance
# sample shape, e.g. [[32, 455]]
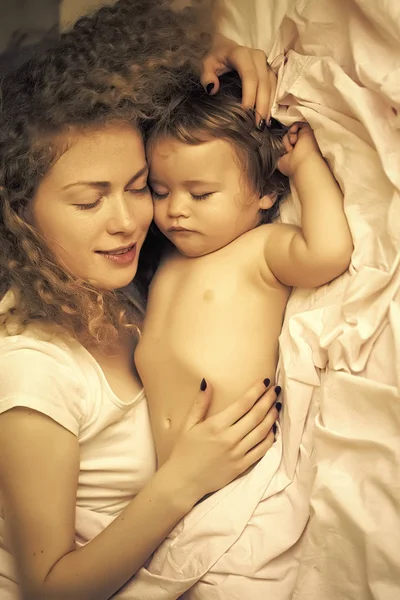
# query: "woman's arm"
[[321, 250], [39, 470]]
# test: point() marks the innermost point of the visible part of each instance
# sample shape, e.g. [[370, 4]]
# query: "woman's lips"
[[120, 257]]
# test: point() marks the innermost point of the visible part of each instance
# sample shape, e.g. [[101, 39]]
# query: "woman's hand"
[[258, 79], [211, 452]]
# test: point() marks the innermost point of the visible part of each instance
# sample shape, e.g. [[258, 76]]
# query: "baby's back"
[[217, 317]]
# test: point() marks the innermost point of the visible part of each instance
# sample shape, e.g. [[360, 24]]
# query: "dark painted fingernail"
[[278, 406], [261, 125], [269, 122], [278, 390], [203, 385], [274, 428], [209, 88], [267, 382]]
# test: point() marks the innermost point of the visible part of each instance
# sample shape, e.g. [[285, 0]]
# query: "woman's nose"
[[121, 218]]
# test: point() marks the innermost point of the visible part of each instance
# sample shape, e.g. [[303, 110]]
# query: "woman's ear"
[[267, 201]]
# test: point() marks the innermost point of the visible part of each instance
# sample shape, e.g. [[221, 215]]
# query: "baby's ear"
[[267, 201]]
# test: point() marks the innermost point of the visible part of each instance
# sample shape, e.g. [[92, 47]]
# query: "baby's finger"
[[286, 143], [294, 128], [304, 129], [282, 164]]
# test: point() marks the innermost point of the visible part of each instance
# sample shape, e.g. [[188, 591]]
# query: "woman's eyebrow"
[[106, 184]]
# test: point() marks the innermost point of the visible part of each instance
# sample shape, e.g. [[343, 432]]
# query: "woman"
[[77, 460]]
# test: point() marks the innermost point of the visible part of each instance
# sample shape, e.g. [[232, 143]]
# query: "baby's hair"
[[118, 65], [196, 117]]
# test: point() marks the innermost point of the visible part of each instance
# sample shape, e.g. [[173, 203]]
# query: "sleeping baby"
[[217, 300]]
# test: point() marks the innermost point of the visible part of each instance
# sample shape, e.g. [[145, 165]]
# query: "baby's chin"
[[193, 250]]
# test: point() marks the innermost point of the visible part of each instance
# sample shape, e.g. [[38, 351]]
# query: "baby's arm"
[[321, 250]]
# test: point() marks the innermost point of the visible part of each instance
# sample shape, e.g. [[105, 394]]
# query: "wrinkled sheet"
[[338, 451], [343, 75]]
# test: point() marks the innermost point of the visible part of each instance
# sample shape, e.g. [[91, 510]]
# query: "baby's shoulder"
[[258, 234], [246, 255], [251, 244]]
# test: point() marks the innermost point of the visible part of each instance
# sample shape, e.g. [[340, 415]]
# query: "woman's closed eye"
[[138, 192], [143, 190], [89, 206]]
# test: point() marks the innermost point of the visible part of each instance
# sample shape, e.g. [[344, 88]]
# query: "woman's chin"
[[115, 281]]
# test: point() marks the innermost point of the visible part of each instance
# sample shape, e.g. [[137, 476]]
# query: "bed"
[[319, 516]]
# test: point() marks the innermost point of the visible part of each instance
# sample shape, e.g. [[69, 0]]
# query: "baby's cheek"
[[159, 216], [145, 211]]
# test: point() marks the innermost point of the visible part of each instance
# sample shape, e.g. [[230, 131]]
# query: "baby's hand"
[[300, 144]]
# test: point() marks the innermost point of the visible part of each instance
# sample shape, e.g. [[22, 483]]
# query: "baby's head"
[[212, 172]]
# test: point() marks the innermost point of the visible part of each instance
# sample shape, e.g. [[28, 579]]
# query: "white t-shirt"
[[62, 380]]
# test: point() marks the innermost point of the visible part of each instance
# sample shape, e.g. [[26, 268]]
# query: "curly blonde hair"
[[195, 117], [120, 64]]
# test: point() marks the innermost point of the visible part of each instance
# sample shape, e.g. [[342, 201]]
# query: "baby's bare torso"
[[219, 317]]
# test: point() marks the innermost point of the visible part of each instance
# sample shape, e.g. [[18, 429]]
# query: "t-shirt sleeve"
[[42, 378]]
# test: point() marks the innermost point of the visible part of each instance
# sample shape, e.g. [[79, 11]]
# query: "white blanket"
[[343, 75]]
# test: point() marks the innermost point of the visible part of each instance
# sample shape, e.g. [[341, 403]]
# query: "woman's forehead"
[[97, 154]]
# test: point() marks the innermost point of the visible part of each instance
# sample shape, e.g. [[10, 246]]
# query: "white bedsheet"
[[343, 75]]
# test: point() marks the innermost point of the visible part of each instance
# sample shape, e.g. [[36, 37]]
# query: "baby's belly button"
[[165, 435], [166, 422]]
